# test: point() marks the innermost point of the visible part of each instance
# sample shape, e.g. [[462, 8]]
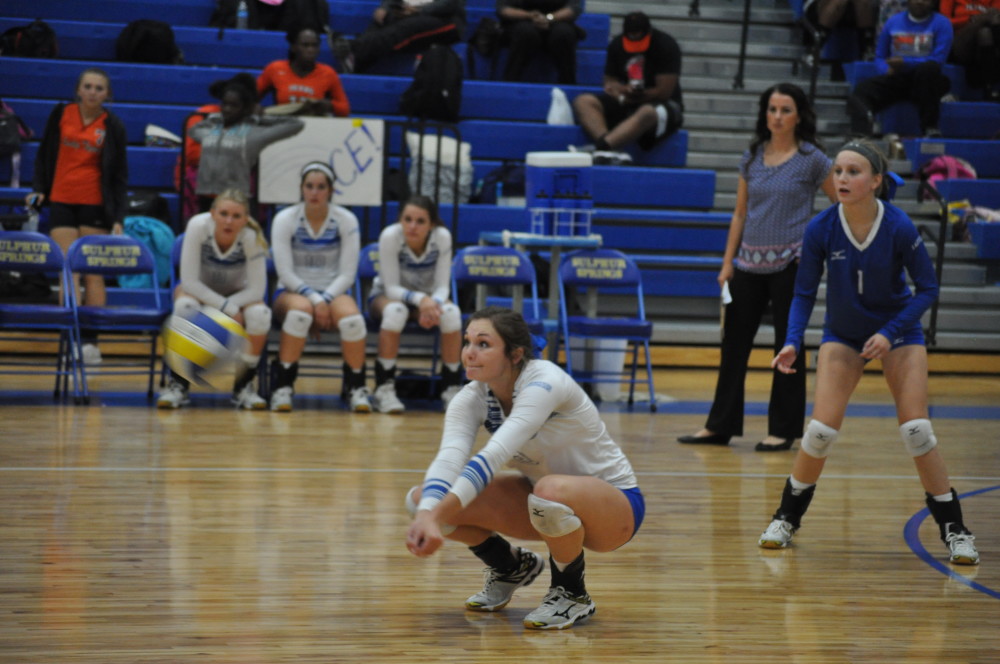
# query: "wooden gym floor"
[[131, 535]]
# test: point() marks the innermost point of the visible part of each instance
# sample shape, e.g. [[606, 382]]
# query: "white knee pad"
[[394, 316], [451, 318], [552, 519], [918, 436], [297, 324], [257, 319], [352, 328], [818, 439], [186, 305], [411, 509]]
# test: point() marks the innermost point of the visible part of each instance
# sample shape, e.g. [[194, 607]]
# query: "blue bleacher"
[[983, 155], [984, 193]]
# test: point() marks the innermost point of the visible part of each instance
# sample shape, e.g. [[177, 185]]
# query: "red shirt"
[[77, 179], [960, 11], [321, 83]]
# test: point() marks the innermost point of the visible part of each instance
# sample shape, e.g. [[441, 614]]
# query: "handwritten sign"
[[351, 147]]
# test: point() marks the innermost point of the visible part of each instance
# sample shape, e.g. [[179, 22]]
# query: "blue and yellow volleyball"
[[203, 346]]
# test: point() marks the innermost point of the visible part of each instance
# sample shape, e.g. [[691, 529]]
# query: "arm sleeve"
[[271, 130], [442, 271], [350, 250], [461, 423], [532, 408], [265, 84], [190, 269], [921, 270], [883, 48], [119, 169], [806, 285], [284, 263], [48, 152], [256, 273], [338, 98]]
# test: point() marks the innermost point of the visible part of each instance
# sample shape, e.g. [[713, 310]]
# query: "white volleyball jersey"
[[407, 277], [318, 264], [211, 275]]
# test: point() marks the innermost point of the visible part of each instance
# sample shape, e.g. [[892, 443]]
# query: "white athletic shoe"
[[449, 393], [91, 354], [281, 400], [173, 396], [361, 400], [385, 400], [560, 610], [963, 551], [248, 399], [778, 535], [499, 588]]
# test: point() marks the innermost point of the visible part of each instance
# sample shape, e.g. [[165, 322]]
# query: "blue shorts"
[[912, 337], [638, 503]]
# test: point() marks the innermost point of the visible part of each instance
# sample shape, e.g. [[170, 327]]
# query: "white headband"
[[321, 167]]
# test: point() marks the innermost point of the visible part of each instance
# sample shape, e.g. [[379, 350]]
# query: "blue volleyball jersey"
[[866, 287]]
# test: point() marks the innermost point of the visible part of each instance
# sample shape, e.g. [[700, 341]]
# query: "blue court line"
[[910, 534], [333, 402]]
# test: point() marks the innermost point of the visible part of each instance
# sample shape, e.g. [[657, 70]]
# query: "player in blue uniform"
[[867, 246]]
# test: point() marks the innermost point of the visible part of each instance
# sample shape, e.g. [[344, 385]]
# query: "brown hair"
[[512, 329]]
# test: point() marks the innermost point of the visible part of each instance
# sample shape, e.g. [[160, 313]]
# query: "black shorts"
[[615, 113], [76, 216]]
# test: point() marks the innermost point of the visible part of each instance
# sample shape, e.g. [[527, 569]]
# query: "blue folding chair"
[[593, 272], [138, 320], [496, 266], [30, 252], [420, 340]]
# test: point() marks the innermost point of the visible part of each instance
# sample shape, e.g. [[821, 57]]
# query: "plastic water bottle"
[[242, 15]]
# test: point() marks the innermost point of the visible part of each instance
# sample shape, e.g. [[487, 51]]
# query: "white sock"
[[798, 487], [453, 366], [388, 365], [945, 497]]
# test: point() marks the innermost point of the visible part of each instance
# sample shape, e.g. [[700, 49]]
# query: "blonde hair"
[[240, 198]]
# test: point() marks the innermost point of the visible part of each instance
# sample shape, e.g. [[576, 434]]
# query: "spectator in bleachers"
[[911, 50], [81, 173], [977, 41], [414, 282], [401, 25], [779, 176], [316, 246], [641, 100], [827, 15], [231, 141], [223, 264], [302, 80], [531, 26]]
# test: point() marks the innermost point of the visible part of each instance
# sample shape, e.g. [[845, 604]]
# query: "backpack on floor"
[[436, 90], [35, 40], [149, 41]]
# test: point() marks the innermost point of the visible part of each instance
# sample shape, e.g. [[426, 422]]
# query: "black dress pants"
[[526, 41], [409, 33], [924, 85], [787, 407]]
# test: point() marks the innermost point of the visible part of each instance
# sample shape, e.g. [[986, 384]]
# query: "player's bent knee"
[[297, 324], [352, 328], [394, 316], [818, 439], [451, 318], [257, 318], [918, 437], [550, 518], [186, 306]]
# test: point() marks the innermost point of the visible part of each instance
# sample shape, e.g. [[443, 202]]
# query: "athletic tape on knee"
[[918, 436], [257, 319], [818, 439], [550, 518], [352, 328], [297, 324], [411, 509], [451, 318], [186, 305], [394, 316]]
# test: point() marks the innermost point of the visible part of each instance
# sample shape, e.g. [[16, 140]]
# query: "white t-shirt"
[[553, 428], [320, 265], [407, 277]]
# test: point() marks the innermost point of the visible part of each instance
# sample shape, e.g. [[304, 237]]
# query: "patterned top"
[[318, 264], [779, 204], [552, 428]]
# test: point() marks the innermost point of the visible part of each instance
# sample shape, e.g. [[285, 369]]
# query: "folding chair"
[[420, 340], [485, 266], [607, 272], [137, 321], [30, 252]]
